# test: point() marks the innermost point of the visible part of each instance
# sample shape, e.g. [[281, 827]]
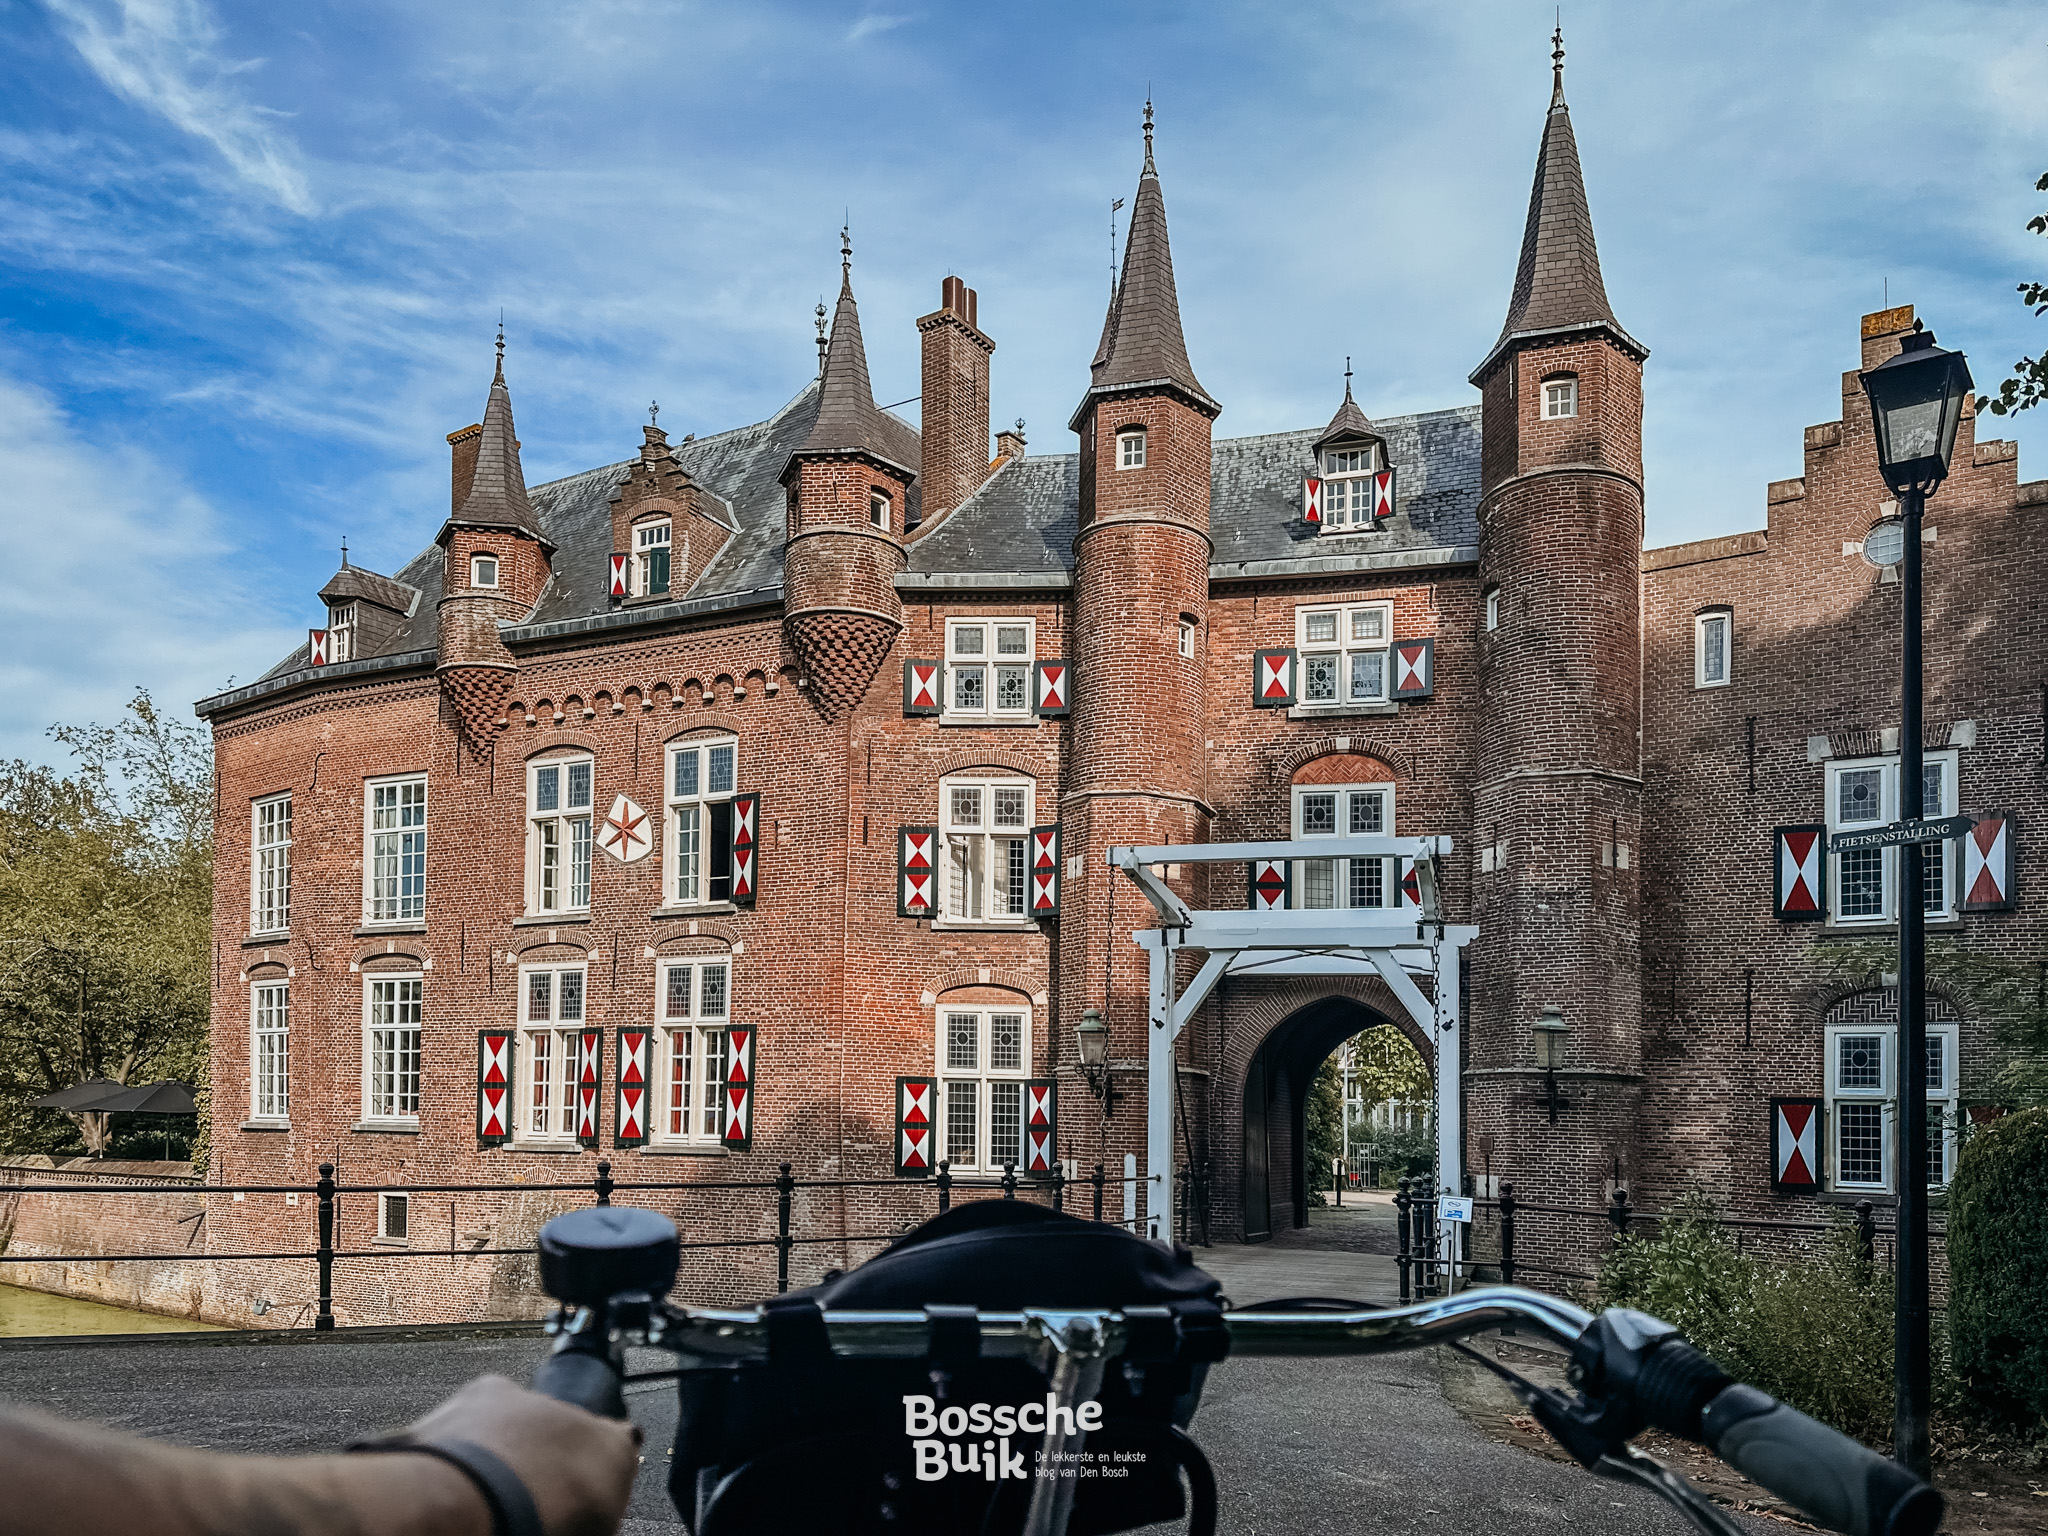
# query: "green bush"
[[1998, 1264]]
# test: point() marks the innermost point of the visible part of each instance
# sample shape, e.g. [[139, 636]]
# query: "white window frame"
[[395, 851], [476, 569], [1130, 448], [1186, 639], [1492, 608], [697, 871], [1345, 622], [881, 510], [1560, 396], [390, 1204], [984, 1079], [1945, 853], [1328, 884], [655, 533], [386, 1096], [692, 1017], [978, 668], [341, 632], [1943, 1103], [1347, 487], [544, 1113], [559, 851], [983, 863], [270, 864], [1713, 647], [270, 1026]]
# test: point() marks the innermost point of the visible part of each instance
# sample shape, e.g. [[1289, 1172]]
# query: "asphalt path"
[[1298, 1445]]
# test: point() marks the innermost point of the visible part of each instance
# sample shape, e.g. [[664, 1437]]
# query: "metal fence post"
[[1100, 1179], [1618, 1213], [1059, 1186], [1009, 1181], [604, 1184], [1401, 1229], [1866, 1232], [1507, 1234], [785, 1187], [945, 1182], [323, 1318]]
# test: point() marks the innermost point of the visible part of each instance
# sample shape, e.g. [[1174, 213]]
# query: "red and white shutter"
[[1270, 883], [1795, 1144], [746, 848], [921, 687], [917, 854], [1045, 871], [1414, 669], [1988, 865], [1383, 495], [493, 1086], [1273, 679], [1407, 886], [589, 1079], [916, 1115], [1052, 693], [316, 647], [1041, 1126], [618, 575], [1311, 500], [631, 1130], [1800, 861], [739, 1088]]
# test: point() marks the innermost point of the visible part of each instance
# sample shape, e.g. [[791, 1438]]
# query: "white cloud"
[[875, 25], [115, 579], [160, 54]]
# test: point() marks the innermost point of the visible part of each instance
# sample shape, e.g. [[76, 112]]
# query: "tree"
[[1324, 1138], [2029, 386], [106, 892]]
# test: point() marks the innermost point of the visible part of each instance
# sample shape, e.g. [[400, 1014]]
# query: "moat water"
[[29, 1314]]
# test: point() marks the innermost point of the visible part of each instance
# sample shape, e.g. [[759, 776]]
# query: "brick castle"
[[745, 802]]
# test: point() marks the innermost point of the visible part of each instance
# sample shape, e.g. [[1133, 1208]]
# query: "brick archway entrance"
[[1274, 1156]]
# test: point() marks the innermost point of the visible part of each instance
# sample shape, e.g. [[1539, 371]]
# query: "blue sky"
[[254, 254]]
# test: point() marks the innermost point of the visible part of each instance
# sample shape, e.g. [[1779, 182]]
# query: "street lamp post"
[[1916, 403], [1549, 1033]]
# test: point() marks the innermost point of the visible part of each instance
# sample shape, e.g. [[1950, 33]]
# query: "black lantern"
[[1092, 1037], [1916, 403], [1549, 1033]]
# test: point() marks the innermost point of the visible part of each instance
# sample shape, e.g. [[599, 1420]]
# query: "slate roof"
[[497, 489], [847, 418], [1349, 424], [354, 581]]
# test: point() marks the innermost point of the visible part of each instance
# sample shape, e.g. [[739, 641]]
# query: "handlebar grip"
[[1836, 1481], [587, 1379]]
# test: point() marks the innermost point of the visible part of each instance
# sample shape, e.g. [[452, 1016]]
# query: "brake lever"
[[1634, 1466]]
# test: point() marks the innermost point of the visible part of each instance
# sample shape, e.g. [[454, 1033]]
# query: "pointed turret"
[[497, 486], [1558, 286], [849, 421]]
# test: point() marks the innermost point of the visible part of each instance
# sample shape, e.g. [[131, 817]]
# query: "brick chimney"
[[462, 463], [956, 353], [1010, 441]]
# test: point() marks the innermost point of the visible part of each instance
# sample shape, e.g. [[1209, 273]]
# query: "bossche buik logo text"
[[975, 1439]]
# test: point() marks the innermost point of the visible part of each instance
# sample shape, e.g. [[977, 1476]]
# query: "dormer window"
[[341, 632], [1130, 448], [483, 570], [650, 559], [1561, 396], [878, 509], [1347, 487]]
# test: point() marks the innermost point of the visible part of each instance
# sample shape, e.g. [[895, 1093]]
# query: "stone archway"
[[1275, 1104]]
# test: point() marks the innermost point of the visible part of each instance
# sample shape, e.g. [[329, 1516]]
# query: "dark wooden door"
[[1257, 1195]]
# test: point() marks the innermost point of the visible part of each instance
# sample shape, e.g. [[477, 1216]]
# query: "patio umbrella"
[[165, 1098], [81, 1098]]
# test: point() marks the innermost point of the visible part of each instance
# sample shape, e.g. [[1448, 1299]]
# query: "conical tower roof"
[[1558, 286], [1142, 341], [497, 489], [848, 419]]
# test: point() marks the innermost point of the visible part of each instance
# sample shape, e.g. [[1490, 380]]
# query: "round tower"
[[1558, 797]]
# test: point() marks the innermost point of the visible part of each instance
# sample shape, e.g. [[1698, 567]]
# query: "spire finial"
[[822, 343], [654, 413], [1557, 63], [344, 552], [1148, 134], [1347, 378], [501, 345], [846, 251]]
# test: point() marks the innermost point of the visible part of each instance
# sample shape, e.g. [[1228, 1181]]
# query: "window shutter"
[[915, 1101], [1311, 500], [1041, 1126], [1414, 669], [1988, 865], [1795, 1144], [921, 687], [1383, 495], [917, 855], [1800, 855], [316, 647], [1272, 879], [619, 575], [1273, 679], [1045, 871], [1407, 885], [631, 1130], [493, 1086], [657, 570], [1052, 695], [589, 1078], [746, 845], [739, 1089]]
